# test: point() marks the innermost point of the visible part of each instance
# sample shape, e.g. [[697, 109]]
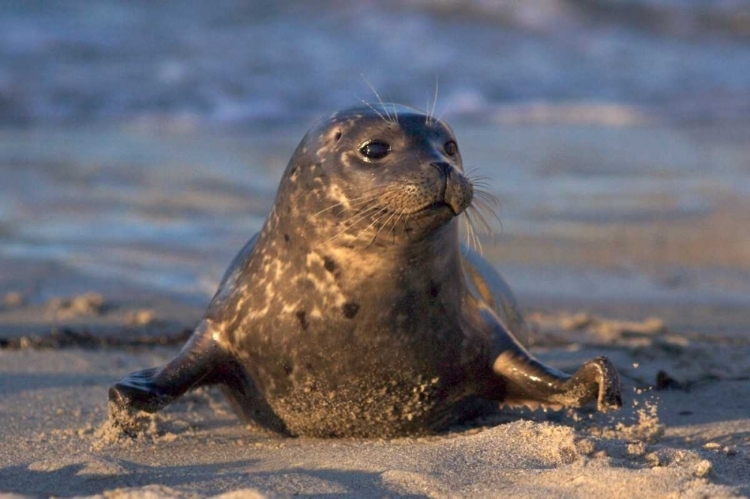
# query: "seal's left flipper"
[[525, 379], [152, 389], [518, 378]]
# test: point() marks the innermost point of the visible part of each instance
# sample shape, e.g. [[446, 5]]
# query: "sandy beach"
[[683, 431], [141, 145]]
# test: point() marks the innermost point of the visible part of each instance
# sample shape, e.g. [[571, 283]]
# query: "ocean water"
[[240, 62], [142, 142]]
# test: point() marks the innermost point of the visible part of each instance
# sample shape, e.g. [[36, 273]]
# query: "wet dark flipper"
[[596, 380], [152, 389], [525, 379], [139, 390]]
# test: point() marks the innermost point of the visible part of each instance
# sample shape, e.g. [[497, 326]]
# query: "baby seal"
[[355, 311]]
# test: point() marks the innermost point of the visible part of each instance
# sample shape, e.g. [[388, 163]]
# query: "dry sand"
[[684, 431]]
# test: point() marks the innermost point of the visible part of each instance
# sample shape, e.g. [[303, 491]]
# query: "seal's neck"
[[361, 261], [436, 256]]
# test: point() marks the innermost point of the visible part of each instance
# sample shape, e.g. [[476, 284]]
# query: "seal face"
[[354, 311]]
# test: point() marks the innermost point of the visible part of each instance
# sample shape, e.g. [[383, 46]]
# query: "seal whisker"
[[467, 228], [477, 241], [377, 189], [314, 215], [486, 209], [481, 190], [370, 195], [383, 196], [486, 205], [490, 200], [477, 238], [472, 240], [482, 222], [473, 170], [394, 109], [375, 110], [355, 202], [431, 112], [479, 179], [378, 216], [442, 113], [481, 208], [480, 184], [360, 215], [394, 214], [403, 219], [377, 222], [350, 222], [335, 236], [394, 220], [386, 215], [382, 104]]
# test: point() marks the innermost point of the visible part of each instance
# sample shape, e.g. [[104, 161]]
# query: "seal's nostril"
[[444, 167]]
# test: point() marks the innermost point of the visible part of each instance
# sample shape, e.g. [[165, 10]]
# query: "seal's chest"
[[348, 378], [367, 405]]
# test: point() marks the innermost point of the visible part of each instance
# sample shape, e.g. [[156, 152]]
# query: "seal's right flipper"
[[152, 389]]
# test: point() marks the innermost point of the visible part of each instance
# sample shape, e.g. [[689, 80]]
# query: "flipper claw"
[[139, 391], [599, 374]]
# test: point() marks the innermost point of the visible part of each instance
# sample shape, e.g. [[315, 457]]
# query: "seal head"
[[365, 176]]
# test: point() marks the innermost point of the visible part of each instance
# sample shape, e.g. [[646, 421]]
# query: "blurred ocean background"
[[241, 62], [141, 142]]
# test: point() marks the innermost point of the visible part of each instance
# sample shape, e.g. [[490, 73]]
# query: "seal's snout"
[[458, 191]]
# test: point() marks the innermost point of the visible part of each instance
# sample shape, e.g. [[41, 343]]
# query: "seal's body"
[[355, 311]]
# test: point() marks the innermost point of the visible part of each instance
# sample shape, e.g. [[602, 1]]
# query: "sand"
[[684, 430]]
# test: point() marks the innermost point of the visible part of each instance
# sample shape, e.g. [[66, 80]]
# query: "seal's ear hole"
[[337, 136]]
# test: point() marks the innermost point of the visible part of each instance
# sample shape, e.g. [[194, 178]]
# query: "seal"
[[355, 311]]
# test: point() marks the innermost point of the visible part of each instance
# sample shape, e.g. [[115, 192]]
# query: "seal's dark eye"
[[451, 148], [375, 150]]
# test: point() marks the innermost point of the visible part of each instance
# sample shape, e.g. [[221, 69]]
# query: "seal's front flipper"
[[153, 389], [525, 379], [599, 379], [140, 390], [518, 378]]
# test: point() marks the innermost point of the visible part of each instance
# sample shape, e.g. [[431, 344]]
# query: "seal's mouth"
[[459, 192], [455, 200]]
